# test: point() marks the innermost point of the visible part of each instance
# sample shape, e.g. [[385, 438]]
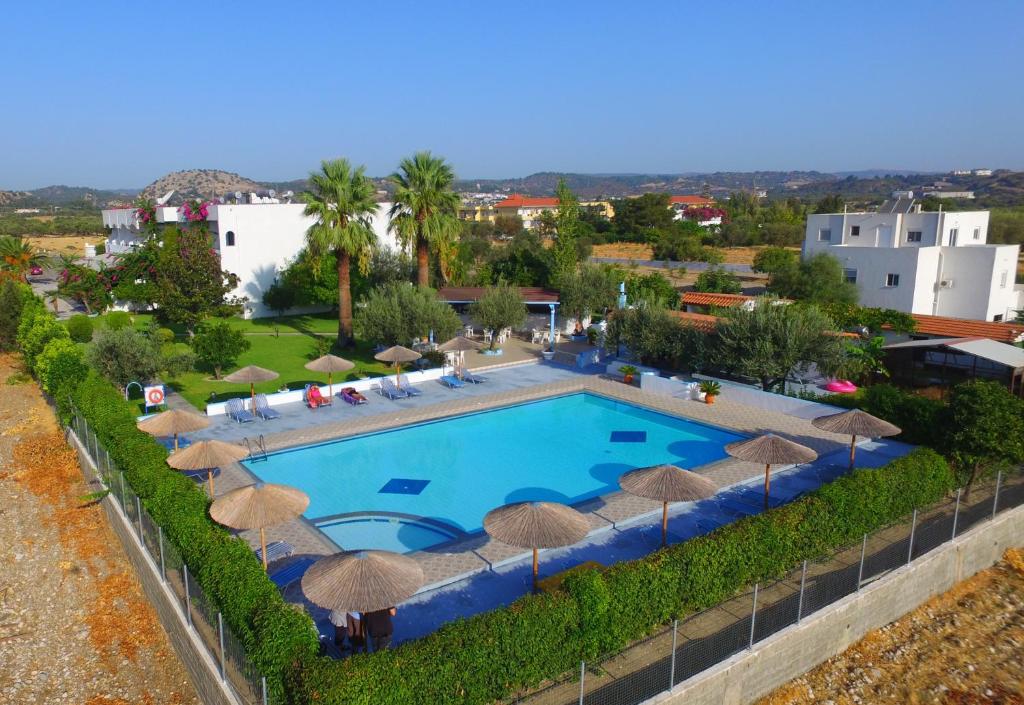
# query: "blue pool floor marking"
[[629, 437], [399, 485]]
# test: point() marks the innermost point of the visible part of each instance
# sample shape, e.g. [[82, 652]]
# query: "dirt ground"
[[962, 647], [75, 626], [633, 250], [64, 244]]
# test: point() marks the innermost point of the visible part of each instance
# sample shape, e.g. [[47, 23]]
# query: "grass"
[[285, 355]]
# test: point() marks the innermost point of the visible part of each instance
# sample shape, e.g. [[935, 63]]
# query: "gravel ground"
[[75, 626], [962, 647]]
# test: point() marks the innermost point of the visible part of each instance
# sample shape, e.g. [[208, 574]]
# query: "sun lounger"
[[353, 397], [291, 572], [168, 442], [238, 412], [276, 550], [263, 408], [387, 388], [468, 376], [314, 398], [452, 382]]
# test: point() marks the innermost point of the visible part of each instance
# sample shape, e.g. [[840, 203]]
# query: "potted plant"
[[628, 372], [711, 389]]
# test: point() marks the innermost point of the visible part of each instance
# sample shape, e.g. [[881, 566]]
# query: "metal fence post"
[[910, 545], [138, 508], [753, 617], [220, 632], [860, 570], [263, 685], [672, 668], [995, 500], [163, 567], [583, 675], [188, 597], [956, 512], [800, 603], [122, 493]]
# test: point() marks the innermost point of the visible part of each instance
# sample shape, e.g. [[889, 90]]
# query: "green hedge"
[[921, 418], [493, 655]]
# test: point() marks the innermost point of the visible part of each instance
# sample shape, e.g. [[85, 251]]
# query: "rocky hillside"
[[10, 198], [200, 183]]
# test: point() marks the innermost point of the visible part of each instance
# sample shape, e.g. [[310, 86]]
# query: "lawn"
[[285, 354]]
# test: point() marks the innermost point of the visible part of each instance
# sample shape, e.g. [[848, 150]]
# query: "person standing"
[[356, 632], [380, 628], [340, 621]]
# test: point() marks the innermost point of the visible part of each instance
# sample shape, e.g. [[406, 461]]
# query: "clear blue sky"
[[116, 94]]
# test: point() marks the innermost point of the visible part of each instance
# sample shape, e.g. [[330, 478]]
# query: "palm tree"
[[341, 200], [425, 210], [18, 257]]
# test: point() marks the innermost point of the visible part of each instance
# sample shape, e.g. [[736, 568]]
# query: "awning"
[[984, 348]]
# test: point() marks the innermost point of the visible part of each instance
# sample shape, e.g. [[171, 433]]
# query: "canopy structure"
[[173, 422], [855, 423], [667, 483], [330, 364], [258, 506], [536, 525], [362, 581], [769, 450], [397, 355], [948, 360], [252, 374], [207, 455]]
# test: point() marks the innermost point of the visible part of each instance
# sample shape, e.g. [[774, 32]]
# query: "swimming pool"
[[417, 486]]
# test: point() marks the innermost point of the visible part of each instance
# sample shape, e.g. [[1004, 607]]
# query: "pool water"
[[453, 471]]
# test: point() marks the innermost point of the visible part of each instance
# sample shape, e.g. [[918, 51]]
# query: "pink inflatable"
[[841, 386]]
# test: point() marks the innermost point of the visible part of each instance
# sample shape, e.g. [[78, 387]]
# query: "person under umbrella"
[[252, 374], [667, 483], [536, 525], [207, 455], [258, 506], [460, 344], [769, 450], [330, 364], [855, 423], [397, 355], [173, 422]]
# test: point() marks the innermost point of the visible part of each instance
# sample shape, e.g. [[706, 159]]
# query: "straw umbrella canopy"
[[397, 355], [460, 344], [258, 506], [252, 374], [855, 423], [536, 525], [330, 364], [769, 450], [667, 483], [207, 455], [363, 581], [173, 422]]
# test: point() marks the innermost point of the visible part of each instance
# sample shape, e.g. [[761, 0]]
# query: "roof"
[[985, 348], [700, 298], [469, 294], [967, 328], [703, 322], [691, 200], [517, 200]]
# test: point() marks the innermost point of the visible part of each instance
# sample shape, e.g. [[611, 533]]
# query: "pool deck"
[[508, 385]]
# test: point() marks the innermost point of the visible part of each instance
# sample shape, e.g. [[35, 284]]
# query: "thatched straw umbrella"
[[536, 525], [259, 506], [667, 483], [769, 450], [363, 581], [397, 355], [207, 455], [460, 344], [855, 423], [330, 364], [173, 422], [252, 374]]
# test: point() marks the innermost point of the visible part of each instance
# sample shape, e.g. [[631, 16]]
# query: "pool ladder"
[[260, 451]]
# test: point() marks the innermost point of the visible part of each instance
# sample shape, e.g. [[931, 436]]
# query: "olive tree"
[[396, 312], [499, 307]]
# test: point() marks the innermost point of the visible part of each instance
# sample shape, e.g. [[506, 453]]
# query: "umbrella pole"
[[853, 450], [664, 524], [330, 384], [263, 546], [398, 375], [175, 442], [209, 476], [535, 570], [767, 483], [252, 397]]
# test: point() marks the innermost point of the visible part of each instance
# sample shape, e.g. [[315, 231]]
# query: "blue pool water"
[[453, 471]]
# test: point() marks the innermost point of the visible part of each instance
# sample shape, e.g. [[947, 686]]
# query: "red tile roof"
[[700, 298], [463, 294], [701, 321], [691, 200], [517, 200], [966, 328]]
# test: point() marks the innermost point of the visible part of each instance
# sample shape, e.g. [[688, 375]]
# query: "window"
[[229, 238], [977, 233], [913, 236], [953, 233], [892, 280], [997, 318], [824, 235], [1002, 279], [850, 275], [855, 230]]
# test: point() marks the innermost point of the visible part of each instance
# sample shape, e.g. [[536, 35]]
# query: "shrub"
[[985, 429], [60, 366], [125, 355], [396, 312], [80, 328], [921, 419], [217, 345], [37, 329], [166, 335], [116, 320], [718, 281], [12, 301], [499, 307]]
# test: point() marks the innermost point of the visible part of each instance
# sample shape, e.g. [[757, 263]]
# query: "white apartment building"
[[255, 240], [933, 263]]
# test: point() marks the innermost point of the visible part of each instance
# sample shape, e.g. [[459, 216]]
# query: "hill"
[[200, 183]]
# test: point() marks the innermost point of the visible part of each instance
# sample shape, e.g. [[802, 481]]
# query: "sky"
[[116, 94]]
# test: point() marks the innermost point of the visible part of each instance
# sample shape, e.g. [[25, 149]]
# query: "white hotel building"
[[256, 239], [934, 263]]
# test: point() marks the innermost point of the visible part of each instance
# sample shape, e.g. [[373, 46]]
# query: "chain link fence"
[[688, 647], [203, 618]]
